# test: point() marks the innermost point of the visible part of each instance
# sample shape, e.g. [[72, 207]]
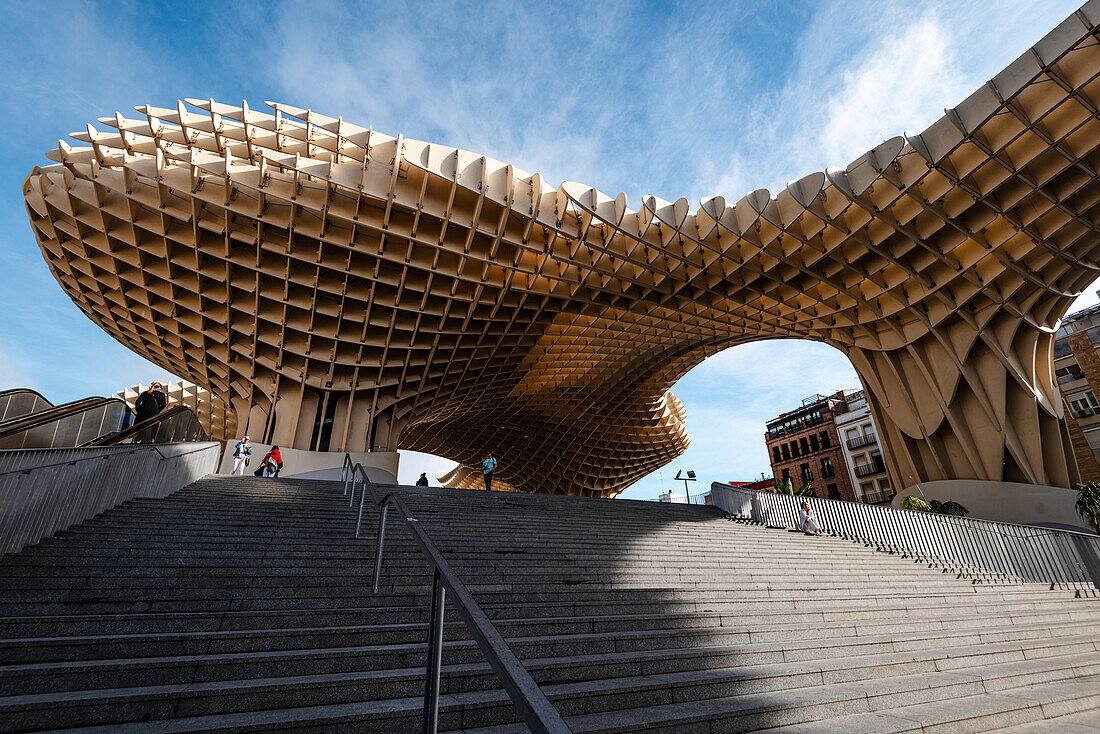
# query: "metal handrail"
[[121, 450], [57, 412], [534, 708], [1027, 552], [136, 429]]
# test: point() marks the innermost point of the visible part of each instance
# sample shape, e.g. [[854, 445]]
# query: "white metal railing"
[[44, 491], [531, 703], [1026, 552]]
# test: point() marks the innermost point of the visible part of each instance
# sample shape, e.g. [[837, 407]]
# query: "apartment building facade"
[[862, 452], [1077, 372], [804, 446]]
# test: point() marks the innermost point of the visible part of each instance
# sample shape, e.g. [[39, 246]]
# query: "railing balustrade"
[[1024, 552], [44, 491], [534, 708]]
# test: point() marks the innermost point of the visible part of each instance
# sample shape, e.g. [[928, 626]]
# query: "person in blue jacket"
[[487, 467]]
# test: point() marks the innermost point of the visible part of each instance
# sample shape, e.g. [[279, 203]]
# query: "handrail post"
[[381, 537], [435, 656], [362, 501]]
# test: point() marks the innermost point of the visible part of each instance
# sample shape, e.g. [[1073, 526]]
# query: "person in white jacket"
[[807, 521], [241, 455]]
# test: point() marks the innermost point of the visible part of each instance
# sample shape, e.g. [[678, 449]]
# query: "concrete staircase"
[[243, 605]]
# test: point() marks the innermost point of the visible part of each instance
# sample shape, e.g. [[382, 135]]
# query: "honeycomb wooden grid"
[[423, 297]]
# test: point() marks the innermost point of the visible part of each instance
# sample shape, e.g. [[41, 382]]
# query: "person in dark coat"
[[423, 481], [150, 402]]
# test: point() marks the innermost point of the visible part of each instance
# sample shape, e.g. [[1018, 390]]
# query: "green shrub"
[[912, 502], [951, 508], [915, 503]]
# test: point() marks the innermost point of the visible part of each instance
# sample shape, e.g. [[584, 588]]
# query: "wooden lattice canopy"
[[385, 292]]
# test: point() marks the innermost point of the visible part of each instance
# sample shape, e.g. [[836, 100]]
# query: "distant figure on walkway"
[[423, 481], [241, 456], [150, 402], [487, 467], [807, 521], [271, 463]]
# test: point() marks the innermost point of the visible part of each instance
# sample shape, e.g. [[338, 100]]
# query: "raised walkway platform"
[[240, 605]]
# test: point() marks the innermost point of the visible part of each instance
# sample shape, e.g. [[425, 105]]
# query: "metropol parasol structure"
[[340, 289]]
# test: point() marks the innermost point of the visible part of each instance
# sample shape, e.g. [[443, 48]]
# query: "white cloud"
[[894, 87], [865, 72]]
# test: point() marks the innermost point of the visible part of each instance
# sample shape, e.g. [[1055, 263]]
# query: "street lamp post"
[[689, 478]]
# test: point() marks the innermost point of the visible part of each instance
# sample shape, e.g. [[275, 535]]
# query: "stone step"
[[956, 697], [1062, 706], [760, 623], [579, 587], [1087, 722], [225, 634], [1052, 608], [242, 605], [615, 661], [660, 650]]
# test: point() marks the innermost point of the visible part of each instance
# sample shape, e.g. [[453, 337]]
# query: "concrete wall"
[[381, 465], [1026, 504], [64, 487], [726, 499]]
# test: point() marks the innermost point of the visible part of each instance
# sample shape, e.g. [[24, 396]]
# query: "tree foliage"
[[915, 503], [1088, 504], [786, 486]]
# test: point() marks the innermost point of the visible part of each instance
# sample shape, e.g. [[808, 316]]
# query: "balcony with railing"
[[877, 466], [878, 496], [865, 440]]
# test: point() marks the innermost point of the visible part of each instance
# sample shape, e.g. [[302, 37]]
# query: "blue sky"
[[673, 99]]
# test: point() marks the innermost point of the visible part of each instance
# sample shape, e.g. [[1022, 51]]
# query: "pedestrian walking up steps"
[[243, 604]]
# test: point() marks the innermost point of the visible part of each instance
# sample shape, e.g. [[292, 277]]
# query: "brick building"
[[804, 445]]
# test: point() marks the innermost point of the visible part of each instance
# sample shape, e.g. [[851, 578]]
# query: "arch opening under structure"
[[346, 290]]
